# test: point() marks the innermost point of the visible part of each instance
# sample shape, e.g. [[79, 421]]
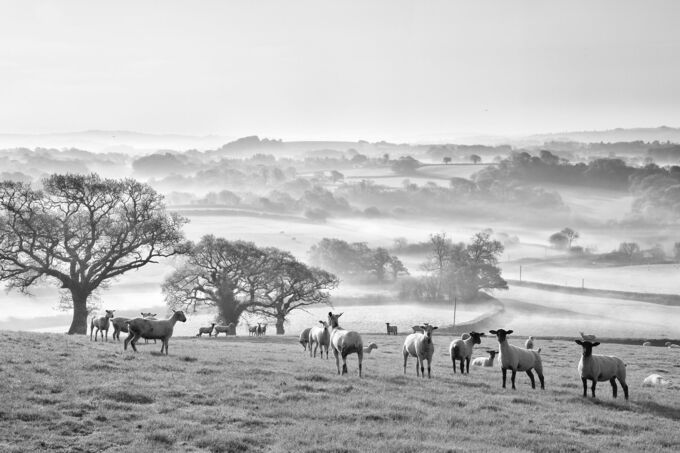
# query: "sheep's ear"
[[482, 334], [579, 342], [321, 322], [508, 332], [339, 314], [435, 327], [492, 332], [597, 343]]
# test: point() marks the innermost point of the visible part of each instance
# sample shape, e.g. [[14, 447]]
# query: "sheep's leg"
[[344, 363], [337, 359], [133, 342], [467, 364], [428, 370], [612, 381], [462, 366], [422, 367], [165, 344], [505, 370], [316, 347], [454, 365], [624, 386], [593, 387], [531, 376], [512, 378], [405, 360], [585, 387], [540, 378]]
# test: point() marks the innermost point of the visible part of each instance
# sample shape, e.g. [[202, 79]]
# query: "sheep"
[[370, 347], [417, 329], [586, 337], [672, 345], [647, 343], [252, 330], [102, 325], [304, 338], [462, 350], [420, 345], [119, 325], [518, 359], [484, 361], [261, 329], [529, 343], [600, 368], [208, 330], [229, 329], [153, 329], [391, 330], [344, 342], [654, 380], [320, 338]]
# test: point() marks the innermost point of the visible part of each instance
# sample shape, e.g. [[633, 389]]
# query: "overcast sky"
[[395, 70]]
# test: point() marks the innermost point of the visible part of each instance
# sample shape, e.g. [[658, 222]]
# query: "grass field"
[[65, 393]]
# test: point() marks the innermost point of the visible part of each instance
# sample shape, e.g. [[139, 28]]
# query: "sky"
[[394, 70]]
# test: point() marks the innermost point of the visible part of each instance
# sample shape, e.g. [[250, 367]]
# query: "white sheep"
[[587, 337], [529, 344], [344, 342], [672, 345], [647, 343], [370, 347], [655, 380], [460, 349], [153, 329], [229, 329], [101, 324], [252, 330], [319, 338], [151, 316], [420, 346], [600, 368], [518, 359], [485, 361], [208, 330], [304, 338], [119, 325]]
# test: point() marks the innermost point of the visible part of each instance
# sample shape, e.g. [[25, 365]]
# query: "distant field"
[[65, 393]]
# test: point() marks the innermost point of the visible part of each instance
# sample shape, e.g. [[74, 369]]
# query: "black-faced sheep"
[[600, 368], [462, 350], [518, 359]]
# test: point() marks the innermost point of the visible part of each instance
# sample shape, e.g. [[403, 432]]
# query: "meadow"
[[259, 394]]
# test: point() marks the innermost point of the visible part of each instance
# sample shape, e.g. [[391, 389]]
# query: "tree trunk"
[[79, 323], [279, 326]]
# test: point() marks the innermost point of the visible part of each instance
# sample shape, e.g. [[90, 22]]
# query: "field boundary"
[[652, 298]]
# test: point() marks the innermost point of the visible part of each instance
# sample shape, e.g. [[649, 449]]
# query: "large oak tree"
[[82, 231]]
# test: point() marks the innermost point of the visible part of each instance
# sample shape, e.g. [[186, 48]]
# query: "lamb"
[[208, 330], [344, 342], [229, 329], [672, 345], [153, 329], [304, 338], [320, 338], [119, 325], [586, 337], [600, 368], [420, 345], [261, 329], [101, 324], [391, 330], [252, 330], [647, 343], [370, 347], [529, 343], [518, 359], [484, 361], [462, 350], [655, 380]]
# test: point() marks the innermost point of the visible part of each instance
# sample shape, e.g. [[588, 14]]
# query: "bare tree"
[[82, 231]]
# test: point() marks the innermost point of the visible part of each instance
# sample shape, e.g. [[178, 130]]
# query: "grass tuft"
[[123, 396], [187, 358]]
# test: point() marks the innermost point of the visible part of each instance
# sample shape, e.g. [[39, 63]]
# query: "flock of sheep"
[[330, 336]]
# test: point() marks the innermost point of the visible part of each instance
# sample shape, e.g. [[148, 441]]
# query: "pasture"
[[65, 393]]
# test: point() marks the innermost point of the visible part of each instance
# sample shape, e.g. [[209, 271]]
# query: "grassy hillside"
[[65, 393]]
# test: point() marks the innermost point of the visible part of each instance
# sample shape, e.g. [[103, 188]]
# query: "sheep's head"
[[109, 313], [333, 319], [179, 315], [427, 331], [325, 324], [587, 347], [149, 314], [492, 354], [476, 337], [501, 334], [372, 346]]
